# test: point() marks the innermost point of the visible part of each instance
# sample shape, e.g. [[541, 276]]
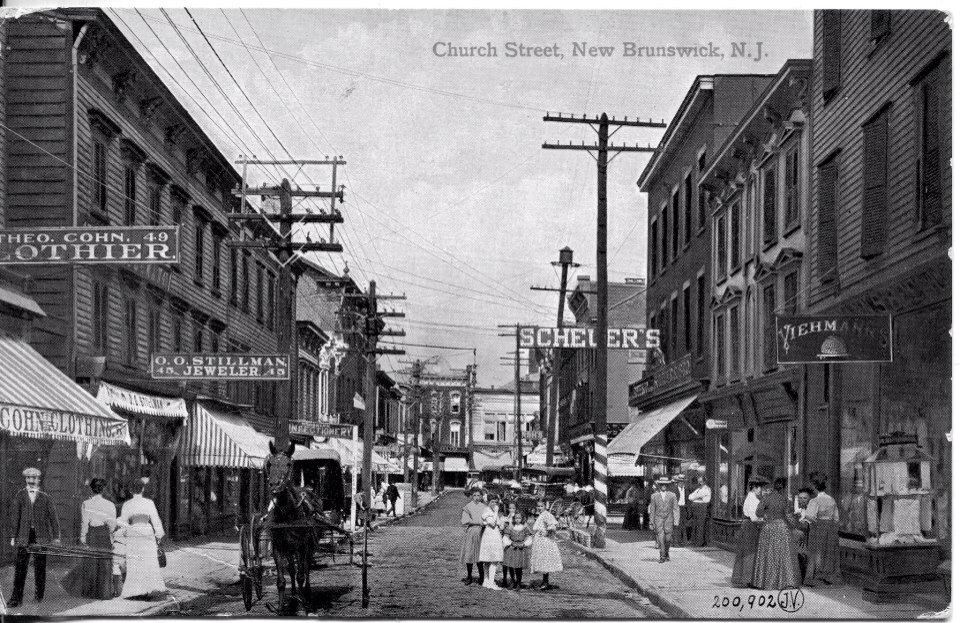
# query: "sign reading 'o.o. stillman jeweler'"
[[219, 367], [90, 245], [834, 339]]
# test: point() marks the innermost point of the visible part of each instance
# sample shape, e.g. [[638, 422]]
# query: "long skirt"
[[92, 577], [545, 555], [746, 554], [143, 567], [777, 565], [516, 557], [823, 553], [491, 545], [631, 517], [470, 550]]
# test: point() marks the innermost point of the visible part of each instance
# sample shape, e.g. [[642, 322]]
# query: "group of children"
[[492, 539]]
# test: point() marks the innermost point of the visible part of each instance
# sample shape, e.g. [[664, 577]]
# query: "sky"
[[450, 198]]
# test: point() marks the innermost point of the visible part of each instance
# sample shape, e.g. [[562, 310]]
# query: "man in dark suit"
[[33, 521], [664, 516]]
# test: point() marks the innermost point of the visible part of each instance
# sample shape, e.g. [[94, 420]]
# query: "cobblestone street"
[[415, 572]]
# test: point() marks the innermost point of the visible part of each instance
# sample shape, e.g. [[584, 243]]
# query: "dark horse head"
[[279, 467]]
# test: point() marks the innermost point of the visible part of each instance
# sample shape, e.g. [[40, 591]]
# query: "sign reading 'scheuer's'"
[[220, 366], [90, 245], [834, 339], [629, 338]]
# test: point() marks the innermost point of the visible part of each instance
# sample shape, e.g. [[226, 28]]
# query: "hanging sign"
[[629, 338], [712, 424], [90, 245], [321, 429], [834, 339], [219, 367]]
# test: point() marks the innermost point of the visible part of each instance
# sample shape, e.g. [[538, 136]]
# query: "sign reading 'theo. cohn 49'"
[[834, 339], [90, 245]]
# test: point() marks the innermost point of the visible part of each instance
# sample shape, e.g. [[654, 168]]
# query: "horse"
[[292, 547]]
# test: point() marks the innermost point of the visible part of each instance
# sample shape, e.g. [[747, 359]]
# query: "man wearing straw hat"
[[32, 522], [664, 516]]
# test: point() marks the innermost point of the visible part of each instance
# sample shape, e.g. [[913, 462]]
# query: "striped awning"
[[631, 439], [38, 400], [346, 447], [128, 401], [219, 438], [624, 465], [455, 464]]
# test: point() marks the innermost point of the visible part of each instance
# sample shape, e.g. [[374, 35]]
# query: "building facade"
[[444, 423], [880, 233], [495, 423], [759, 214], [96, 139]]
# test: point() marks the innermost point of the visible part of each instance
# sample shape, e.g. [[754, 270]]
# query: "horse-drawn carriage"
[[301, 528]]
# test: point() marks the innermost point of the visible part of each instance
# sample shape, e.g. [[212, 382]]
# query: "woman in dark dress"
[[777, 566], [93, 577], [823, 517], [747, 537]]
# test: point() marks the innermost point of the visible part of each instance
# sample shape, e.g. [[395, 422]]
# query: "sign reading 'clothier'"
[[834, 339], [219, 367], [90, 245], [635, 338]]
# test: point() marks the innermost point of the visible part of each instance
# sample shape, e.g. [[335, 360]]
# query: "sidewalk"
[[424, 500], [694, 583], [192, 569]]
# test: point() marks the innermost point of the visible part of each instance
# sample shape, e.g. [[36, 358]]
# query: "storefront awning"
[[632, 439], [218, 438], [321, 452], [455, 464], [345, 448], [38, 400], [482, 459], [129, 401]]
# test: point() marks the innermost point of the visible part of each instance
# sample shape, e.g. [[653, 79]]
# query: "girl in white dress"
[[491, 544], [544, 554], [142, 529]]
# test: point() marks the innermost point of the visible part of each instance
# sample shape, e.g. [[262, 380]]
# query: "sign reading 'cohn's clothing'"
[[50, 423], [834, 339], [90, 245]]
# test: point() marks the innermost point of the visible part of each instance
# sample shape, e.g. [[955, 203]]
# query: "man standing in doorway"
[[32, 522], [664, 516], [700, 505]]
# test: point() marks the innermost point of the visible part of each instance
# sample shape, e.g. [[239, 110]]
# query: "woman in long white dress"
[[544, 553], [491, 544], [142, 530]]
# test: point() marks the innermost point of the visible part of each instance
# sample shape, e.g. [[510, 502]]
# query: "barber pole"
[[600, 487]]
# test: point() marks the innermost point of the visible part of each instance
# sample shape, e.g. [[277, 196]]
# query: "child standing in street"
[[544, 553], [517, 538], [491, 544]]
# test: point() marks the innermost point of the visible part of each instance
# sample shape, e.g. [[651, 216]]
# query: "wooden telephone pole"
[[286, 250], [601, 125]]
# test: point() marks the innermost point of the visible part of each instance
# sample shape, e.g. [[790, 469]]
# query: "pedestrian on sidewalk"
[[93, 577], [143, 530], [393, 494], [748, 536], [823, 542], [517, 539], [800, 529], [664, 516], [631, 514], [491, 544], [33, 521], [679, 489], [544, 553], [700, 507], [472, 520], [777, 566]]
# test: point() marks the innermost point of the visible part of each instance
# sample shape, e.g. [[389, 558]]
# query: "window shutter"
[[932, 195], [827, 220], [769, 205], [831, 52], [873, 232]]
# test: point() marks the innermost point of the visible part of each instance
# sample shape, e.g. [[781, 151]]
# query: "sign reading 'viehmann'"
[[834, 339], [90, 245], [222, 367]]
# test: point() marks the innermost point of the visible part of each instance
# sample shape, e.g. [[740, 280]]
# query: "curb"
[[672, 610]]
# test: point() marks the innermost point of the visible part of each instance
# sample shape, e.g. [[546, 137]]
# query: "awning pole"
[[353, 483]]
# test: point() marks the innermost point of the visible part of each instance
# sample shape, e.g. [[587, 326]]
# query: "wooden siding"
[[873, 76]]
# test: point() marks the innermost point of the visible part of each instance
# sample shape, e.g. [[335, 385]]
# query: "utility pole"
[[282, 244], [565, 263], [601, 126], [471, 384], [516, 406], [373, 329]]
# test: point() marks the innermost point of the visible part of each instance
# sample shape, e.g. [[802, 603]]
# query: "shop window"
[[687, 207], [721, 484], [856, 444], [873, 231]]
